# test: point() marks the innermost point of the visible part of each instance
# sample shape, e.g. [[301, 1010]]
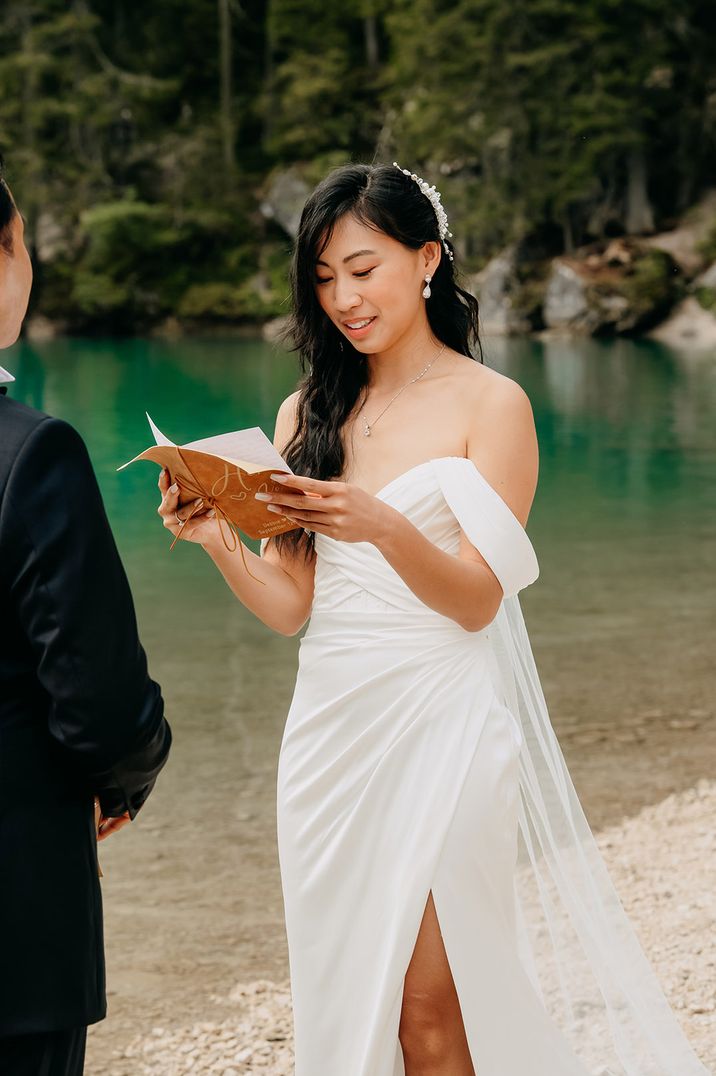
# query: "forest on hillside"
[[147, 145]]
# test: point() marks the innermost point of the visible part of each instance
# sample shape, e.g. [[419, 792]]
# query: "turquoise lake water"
[[624, 520], [622, 617]]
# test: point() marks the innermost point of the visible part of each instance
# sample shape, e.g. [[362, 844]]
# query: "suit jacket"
[[79, 716]]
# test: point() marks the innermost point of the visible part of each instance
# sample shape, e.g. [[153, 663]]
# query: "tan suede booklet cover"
[[226, 471]]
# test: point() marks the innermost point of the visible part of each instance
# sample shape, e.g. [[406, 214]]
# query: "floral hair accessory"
[[433, 195]]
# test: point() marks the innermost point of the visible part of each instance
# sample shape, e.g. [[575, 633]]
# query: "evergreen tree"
[[131, 132]]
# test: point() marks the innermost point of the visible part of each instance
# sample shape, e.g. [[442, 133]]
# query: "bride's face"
[[365, 274]]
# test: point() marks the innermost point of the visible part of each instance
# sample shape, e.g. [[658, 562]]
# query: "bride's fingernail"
[[262, 496], [280, 477], [174, 488], [273, 508], [211, 513]]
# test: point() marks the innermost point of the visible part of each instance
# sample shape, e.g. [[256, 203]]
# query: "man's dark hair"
[[7, 211]]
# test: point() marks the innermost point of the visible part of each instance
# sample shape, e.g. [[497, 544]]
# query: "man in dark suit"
[[81, 722]]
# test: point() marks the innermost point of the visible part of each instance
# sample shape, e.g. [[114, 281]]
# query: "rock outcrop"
[[624, 287], [688, 326], [284, 200], [500, 294]]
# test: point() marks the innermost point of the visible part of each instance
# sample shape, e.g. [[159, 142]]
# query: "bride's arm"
[[502, 443], [281, 593]]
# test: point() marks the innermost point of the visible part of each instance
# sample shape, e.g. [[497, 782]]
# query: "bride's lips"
[[357, 333]]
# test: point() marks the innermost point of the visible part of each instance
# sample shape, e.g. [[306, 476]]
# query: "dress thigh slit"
[[509, 1032], [461, 1018]]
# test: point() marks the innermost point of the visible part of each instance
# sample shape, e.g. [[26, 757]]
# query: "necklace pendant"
[[366, 430]]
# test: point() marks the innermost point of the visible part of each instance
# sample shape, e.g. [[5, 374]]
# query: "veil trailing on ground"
[[575, 939]]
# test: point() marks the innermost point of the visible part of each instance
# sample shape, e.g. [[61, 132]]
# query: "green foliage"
[[650, 288], [260, 295], [560, 108], [145, 141], [706, 298], [708, 246], [140, 261], [320, 92], [215, 301]]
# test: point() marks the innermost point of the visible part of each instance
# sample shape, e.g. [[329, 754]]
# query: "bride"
[[447, 909]]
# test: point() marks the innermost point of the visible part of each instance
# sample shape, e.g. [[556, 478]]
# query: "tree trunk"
[[268, 82], [371, 41], [226, 110], [639, 213], [567, 232]]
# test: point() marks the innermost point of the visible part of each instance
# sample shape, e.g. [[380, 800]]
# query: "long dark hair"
[[382, 197], [7, 211]]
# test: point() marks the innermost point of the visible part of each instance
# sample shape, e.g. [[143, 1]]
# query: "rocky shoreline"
[[663, 863], [661, 285]]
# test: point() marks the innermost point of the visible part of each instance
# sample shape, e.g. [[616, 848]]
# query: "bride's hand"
[[338, 509], [202, 526]]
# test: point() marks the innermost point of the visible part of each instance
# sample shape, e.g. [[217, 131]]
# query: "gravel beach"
[[663, 863]]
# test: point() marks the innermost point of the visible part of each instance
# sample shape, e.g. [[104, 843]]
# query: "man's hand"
[[107, 826]]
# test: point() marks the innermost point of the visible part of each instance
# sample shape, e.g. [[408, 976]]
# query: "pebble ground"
[[663, 863]]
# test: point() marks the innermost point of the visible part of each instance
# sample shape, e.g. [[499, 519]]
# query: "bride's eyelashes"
[[363, 274]]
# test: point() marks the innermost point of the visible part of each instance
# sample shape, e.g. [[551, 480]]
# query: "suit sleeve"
[[73, 600]]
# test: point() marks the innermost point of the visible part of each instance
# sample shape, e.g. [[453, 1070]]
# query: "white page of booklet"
[[249, 449]]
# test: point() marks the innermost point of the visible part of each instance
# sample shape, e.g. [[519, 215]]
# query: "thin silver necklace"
[[368, 426]]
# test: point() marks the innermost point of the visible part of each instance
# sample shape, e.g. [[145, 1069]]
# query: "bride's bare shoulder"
[[487, 390], [501, 435]]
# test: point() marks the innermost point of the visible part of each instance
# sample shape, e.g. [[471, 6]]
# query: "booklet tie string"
[[194, 486]]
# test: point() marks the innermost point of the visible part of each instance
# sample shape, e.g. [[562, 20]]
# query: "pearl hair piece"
[[433, 195]]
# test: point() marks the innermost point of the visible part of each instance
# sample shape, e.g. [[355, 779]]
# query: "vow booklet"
[[226, 471]]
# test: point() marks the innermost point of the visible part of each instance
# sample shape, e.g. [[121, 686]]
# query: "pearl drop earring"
[[426, 289]]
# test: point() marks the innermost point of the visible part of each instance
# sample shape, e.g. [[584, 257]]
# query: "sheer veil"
[[575, 939]]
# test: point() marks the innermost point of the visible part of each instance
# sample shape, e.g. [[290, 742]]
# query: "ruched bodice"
[[356, 575]]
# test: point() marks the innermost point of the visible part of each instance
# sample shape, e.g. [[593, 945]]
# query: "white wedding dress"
[[418, 756]]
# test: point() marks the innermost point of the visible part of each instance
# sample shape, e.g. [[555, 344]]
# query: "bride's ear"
[[431, 254]]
